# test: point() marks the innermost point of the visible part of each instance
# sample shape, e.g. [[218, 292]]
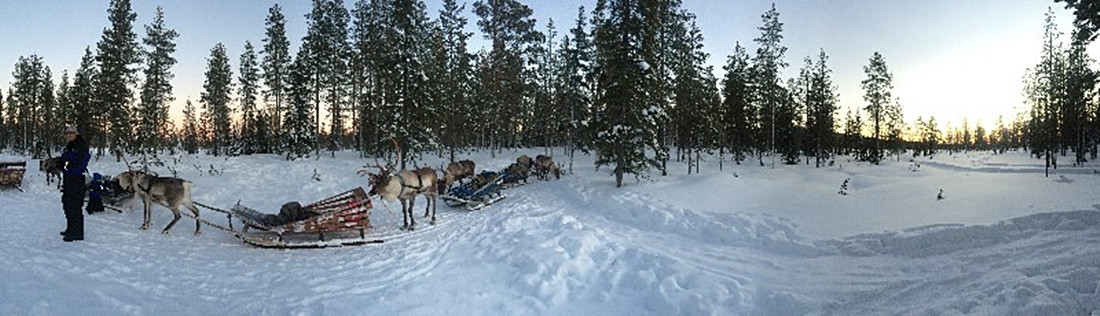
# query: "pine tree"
[[276, 63], [661, 43], [191, 132], [573, 95], [877, 92], [741, 117], [510, 30], [365, 67], [821, 100], [65, 111], [248, 81], [770, 96], [88, 115], [46, 140], [695, 97], [298, 138], [453, 81], [327, 42], [156, 92], [216, 97], [29, 102], [1080, 87], [853, 134], [118, 54], [895, 125], [623, 129]]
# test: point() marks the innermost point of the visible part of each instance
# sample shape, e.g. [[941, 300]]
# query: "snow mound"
[[946, 238]]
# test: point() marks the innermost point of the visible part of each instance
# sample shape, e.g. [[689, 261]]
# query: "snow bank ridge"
[[946, 238]]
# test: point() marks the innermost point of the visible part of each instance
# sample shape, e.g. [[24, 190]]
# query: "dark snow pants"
[[72, 199]]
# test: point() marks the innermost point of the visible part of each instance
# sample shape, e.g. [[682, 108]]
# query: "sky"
[[950, 59]]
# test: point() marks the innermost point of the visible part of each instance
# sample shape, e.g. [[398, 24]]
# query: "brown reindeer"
[[526, 161], [457, 171], [167, 191], [404, 185], [52, 168], [544, 165]]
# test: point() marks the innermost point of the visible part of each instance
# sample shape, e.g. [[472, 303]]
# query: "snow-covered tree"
[[623, 128]]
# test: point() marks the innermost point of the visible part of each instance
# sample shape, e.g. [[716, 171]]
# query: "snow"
[[747, 240]]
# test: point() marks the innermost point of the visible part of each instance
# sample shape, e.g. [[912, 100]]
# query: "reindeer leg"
[[176, 218], [195, 210], [434, 202], [404, 216], [146, 212], [412, 216], [427, 207]]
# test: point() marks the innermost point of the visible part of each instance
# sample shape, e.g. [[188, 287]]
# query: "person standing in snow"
[[74, 161]]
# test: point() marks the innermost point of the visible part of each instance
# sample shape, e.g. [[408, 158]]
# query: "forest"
[[626, 81]]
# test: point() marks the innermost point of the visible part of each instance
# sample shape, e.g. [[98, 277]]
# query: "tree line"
[[627, 82]]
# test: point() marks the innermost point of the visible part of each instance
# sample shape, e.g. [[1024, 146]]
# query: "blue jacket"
[[98, 189], [75, 157]]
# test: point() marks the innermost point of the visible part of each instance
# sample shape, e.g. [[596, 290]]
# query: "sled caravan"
[[340, 220]]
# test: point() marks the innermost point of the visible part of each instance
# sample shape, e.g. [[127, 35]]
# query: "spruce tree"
[[878, 94], [216, 98], [248, 81], [622, 129], [276, 63], [741, 117], [327, 41], [573, 95], [118, 54], [191, 129], [509, 27], [298, 138], [30, 99], [87, 114], [821, 103], [156, 92], [770, 95], [454, 86]]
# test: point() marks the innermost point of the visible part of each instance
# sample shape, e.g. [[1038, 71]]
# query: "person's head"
[[70, 133]]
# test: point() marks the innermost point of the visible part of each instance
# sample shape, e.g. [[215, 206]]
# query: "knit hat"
[[71, 129]]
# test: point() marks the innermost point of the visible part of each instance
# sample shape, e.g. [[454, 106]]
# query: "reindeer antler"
[[363, 171]]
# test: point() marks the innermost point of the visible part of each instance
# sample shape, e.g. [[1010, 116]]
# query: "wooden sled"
[[341, 220], [11, 174]]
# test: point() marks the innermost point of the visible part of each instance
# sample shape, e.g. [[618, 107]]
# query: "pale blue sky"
[[949, 58]]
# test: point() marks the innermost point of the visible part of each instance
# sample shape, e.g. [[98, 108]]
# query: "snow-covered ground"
[[747, 240]]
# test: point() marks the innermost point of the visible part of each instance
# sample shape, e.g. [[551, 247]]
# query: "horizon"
[[947, 61]]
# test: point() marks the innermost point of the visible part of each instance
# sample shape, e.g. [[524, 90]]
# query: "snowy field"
[[748, 240]]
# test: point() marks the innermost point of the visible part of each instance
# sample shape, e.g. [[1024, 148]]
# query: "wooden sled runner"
[[341, 220]]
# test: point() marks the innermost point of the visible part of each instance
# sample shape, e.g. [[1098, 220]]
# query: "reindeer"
[[404, 185], [51, 166], [517, 172], [457, 171], [526, 161], [170, 192], [544, 165]]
